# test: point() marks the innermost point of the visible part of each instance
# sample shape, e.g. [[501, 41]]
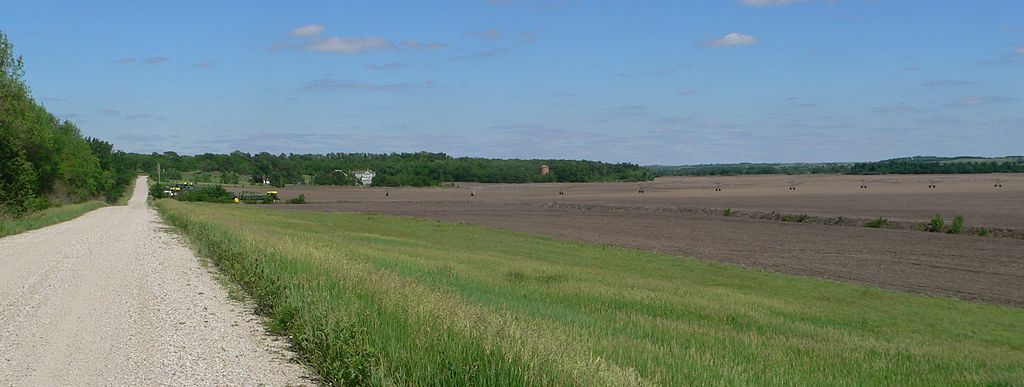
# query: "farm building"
[[365, 177], [544, 169]]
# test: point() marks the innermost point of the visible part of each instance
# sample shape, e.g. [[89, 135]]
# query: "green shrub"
[[877, 223], [301, 199], [795, 218], [982, 231], [936, 224], [727, 212], [157, 192], [958, 225], [210, 194], [229, 178]]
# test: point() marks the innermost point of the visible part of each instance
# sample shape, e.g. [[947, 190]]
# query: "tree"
[[17, 180], [43, 157]]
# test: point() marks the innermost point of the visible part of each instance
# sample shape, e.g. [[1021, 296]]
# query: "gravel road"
[[112, 298]]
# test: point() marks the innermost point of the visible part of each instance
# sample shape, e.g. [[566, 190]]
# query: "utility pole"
[[158, 172]]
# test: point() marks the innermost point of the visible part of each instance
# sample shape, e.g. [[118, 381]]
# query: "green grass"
[[877, 223], [385, 300], [47, 217]]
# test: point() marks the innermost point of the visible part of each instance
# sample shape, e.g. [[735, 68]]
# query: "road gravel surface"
[[114, 298]]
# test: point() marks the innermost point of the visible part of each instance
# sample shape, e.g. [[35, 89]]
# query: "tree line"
[[45, 161], [393, 169], [909, 165]]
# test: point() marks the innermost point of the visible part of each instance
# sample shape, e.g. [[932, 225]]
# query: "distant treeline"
[[908, 165], [395, 169], [45, 160]]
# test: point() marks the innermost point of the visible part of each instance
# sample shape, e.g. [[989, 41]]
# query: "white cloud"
[[769, 3], [733, 39], [308, 30], [349, 45]]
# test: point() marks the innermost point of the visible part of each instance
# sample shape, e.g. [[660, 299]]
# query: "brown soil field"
[[668, 218]]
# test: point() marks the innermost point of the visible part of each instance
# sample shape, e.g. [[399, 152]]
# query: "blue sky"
[[653, 82]]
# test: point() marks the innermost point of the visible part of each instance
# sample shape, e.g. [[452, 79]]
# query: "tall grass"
[[385, 300], [958, 225], [127, 195], [46, 217], [936, 224]]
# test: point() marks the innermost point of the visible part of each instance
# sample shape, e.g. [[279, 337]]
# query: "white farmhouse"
[[365, 177]]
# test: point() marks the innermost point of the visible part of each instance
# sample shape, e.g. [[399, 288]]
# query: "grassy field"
[[384, 300], [47, 217]]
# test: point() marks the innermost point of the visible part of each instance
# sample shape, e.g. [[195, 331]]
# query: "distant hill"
[[903, 165]]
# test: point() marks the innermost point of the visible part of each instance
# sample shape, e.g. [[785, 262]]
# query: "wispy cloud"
[[386, 66], [528, 37], [308, 30], [733, 39], [153, 60], [977, 100], [144, 116], [642, 74], [911, 68], [334, 84], [631, 110], [1001, 60], [156, 60], [491, 34], [950, 82], [483, 54], [109, 112], [1019, 50], [896, 108], [769, 3], [204, 65], [418, 45], [651, 73]]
